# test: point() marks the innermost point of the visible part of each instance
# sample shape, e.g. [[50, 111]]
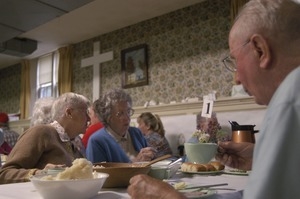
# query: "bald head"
[[276, 20], [265, 43]]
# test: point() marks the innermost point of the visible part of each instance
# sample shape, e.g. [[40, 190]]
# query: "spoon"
[[157, 160], [175, 162]]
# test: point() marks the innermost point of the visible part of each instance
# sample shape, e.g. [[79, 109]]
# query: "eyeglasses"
[[129, 113], [229, 62]]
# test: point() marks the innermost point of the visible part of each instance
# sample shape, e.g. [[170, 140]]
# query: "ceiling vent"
[[18, 47]]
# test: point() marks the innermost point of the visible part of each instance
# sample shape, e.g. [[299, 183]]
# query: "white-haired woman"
[[45, 146], [117, 141]]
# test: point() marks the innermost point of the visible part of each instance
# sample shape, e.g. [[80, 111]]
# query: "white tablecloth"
[[27, 190]]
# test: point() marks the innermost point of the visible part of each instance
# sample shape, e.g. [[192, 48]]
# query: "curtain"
[[235, 6], [65, 69], [25, 89]]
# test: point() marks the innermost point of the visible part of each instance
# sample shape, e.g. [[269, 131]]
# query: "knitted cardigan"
[[102, 147]]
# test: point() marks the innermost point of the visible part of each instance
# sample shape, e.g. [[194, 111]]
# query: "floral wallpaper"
[[185, 49]]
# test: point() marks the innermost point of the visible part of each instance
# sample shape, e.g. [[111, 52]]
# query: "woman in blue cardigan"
[[117, 141]]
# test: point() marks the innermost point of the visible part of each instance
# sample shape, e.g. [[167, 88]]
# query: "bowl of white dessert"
[[77, 182]]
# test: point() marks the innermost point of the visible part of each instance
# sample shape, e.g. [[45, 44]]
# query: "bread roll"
[[197, 167], [218, 166], [209, 167], [194, 167]]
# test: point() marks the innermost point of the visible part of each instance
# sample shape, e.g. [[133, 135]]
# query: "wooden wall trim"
[[220, 105]]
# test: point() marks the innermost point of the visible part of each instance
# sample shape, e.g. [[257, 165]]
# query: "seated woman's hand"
[[145, 154], [54, 166], [236, 155], [146, 187]]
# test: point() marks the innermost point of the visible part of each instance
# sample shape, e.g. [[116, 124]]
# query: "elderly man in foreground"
[[265, 55]]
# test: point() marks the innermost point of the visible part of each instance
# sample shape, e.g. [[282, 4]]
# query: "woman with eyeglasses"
[[47, 146], [117, 141]]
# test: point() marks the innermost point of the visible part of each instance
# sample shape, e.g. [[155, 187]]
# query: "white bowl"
[[63, 189], [161, 170], [161, 163]]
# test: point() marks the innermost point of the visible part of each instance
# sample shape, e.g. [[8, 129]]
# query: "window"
[[47, 75]]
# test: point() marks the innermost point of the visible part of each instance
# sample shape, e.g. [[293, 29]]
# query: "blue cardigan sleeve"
[[103, 148]]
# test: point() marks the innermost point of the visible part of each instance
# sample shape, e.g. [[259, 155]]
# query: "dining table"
[[234, 183]]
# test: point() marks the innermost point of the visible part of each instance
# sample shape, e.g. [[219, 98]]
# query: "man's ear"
[[68, 113], [262, 50]]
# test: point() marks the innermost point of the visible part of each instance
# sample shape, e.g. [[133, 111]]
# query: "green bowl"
[[200, 152]]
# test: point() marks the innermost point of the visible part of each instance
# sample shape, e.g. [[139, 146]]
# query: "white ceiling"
[[90, 20]]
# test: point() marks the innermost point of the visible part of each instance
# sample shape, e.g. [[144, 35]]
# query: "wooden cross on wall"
[[96, 61]]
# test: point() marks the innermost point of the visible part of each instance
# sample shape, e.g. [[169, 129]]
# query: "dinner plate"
[[190, 192], [197, 193], [203, 172], [236, 172]]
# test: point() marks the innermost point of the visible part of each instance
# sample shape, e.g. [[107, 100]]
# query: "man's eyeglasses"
[[229, 62], [129, 113]]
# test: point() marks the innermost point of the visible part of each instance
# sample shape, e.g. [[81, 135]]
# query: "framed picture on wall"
[[134, 62]]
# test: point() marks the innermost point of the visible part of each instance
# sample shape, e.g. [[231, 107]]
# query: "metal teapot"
[[242, 133]]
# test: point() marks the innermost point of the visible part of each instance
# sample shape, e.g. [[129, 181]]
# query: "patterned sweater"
[[35, 148]]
